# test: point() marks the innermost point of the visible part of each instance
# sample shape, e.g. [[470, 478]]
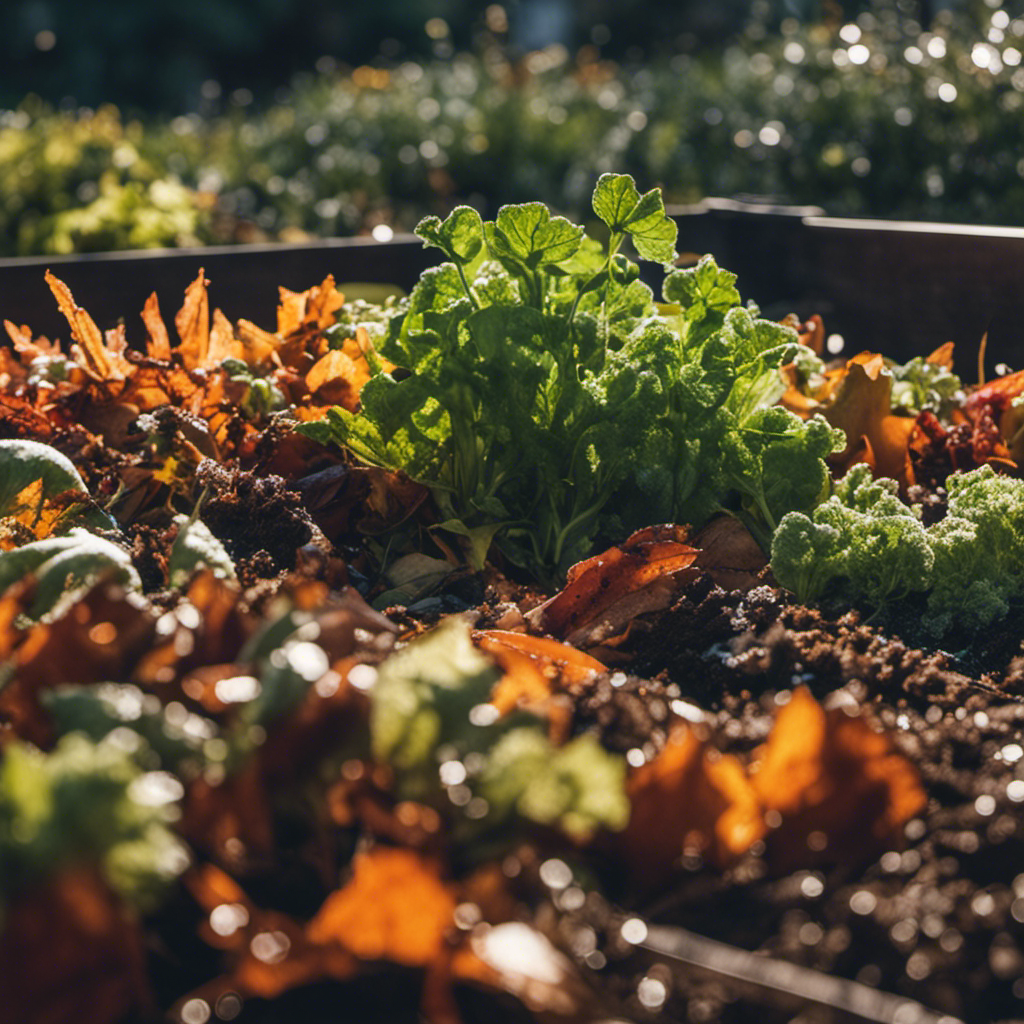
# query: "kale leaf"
[[865, 546]]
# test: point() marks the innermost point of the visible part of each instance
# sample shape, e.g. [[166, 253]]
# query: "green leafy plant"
[[22, 463], [865, 546], [86, 802], [65, 567], [546, 400], [430, 702], [32, 474], [979, 552], [919, 384], [196, 547]]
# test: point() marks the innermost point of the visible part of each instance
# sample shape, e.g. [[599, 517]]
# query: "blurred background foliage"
[[886, 108]]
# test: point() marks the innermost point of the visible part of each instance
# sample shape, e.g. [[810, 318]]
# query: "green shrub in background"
[[876, 116]]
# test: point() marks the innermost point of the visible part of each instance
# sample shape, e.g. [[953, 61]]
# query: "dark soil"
[[260, 521], [938, 918]]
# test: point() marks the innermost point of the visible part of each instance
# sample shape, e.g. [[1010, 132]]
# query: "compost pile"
[[467, 655]]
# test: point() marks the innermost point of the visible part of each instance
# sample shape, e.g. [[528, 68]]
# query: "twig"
[[841, 994]]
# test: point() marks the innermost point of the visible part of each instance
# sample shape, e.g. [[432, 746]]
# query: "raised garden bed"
[[900, 287], [669, 792]]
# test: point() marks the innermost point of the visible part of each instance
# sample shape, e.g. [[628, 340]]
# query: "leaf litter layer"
[[254, 767]]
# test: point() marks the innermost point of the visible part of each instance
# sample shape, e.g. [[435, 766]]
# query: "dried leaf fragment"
[[874, 435], [729, 554], [158, 345], [573, 666], [193, 324], [831, 775], [394, 908], [103, 360], [605, 593], [686, 800], [311, 311], [336, 379]]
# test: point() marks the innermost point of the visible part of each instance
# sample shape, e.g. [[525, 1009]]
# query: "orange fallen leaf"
[[222, 341], [258, 345], [529, 683], [874, 435], [30, 348], [605, 593], [942, 356], [193, 324], [158, 345], [394, 908], [685, 799], [839, 788], [103, 359], [336, 379], [312, 310], [574, 667], [268, 952]]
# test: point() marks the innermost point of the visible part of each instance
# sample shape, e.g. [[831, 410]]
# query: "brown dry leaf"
[[222, 341], [840, 788], [310, 311], [148, 389], [301, 318], [573, 666], [29, 348], [18, 418], [339, 375], [812, 334], [258, 345], [874, 435], [604, 594], [942, 356], [104, 361], [223, 627], [193, 324], [344, 499], [158, 344], [231, 820], [529, 683], [70, 952], [686, 799], [729, 554], [336, 379], [394, 908], [291, 311]]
